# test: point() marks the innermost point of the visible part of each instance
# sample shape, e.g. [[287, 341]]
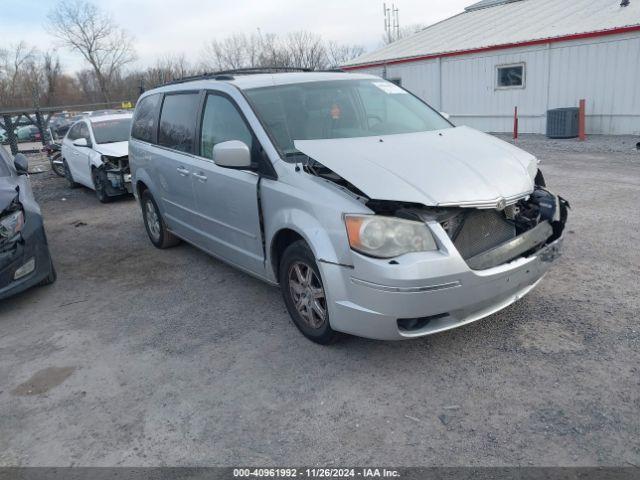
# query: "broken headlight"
[[11, 224], [386, 237]]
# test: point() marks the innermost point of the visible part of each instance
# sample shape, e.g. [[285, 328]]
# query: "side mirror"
[[21, 163], [446, 115], [232, 154], [80, 142]]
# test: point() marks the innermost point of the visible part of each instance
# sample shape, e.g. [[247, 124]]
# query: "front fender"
[[95, 160], [308, 227], [312, 210]]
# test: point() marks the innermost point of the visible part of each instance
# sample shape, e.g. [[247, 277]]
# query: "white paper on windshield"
[[389, 87]]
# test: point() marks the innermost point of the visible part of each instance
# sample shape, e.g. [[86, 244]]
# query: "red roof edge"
[[576, 36]]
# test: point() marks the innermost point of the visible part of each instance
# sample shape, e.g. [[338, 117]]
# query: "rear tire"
[[304, 294], [67, 174], [156, 228], [57, 166]]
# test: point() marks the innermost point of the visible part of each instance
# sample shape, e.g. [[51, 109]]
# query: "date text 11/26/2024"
[[315, 473]]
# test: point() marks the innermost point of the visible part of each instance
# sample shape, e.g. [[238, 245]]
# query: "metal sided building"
[[532, 54]]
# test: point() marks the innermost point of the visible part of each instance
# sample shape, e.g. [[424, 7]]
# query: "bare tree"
[[29, 77], [271, 52], [165, 69], [52, 73], [87, 81], [20, 56], [338, 55], [230, 52], [82, 27], [299, 49], [306, 50], [17, 70], [239, 51]]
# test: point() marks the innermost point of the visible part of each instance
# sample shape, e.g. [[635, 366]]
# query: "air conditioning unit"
[[562, 122]]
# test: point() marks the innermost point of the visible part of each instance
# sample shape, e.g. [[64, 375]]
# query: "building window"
[[511, 76]]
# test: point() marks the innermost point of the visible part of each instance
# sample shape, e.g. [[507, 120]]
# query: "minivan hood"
[[452, 167], [118, 149]]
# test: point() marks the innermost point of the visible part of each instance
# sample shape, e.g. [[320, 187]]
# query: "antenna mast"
[[391, 22], [396, 21]]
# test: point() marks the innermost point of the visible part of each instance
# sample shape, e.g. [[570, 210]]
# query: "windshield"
[[111, 131], [340, 109]]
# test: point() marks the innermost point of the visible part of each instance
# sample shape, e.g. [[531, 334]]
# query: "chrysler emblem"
[[502, 204]]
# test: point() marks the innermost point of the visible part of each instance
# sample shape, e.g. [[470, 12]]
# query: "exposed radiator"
[[482, 230]]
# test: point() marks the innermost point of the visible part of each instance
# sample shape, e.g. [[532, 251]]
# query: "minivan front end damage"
[[486, 260], [487, 238], [115, 175]]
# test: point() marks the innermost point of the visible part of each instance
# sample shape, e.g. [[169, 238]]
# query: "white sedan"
[[95, 154]]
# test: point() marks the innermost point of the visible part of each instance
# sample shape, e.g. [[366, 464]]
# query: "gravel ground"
[[624, 144], [138, 356]]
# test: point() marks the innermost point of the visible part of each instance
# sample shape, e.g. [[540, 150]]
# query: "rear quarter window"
[[145, 119], [178, 121]]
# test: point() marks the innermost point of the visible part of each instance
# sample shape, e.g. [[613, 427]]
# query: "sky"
[[168, 27]]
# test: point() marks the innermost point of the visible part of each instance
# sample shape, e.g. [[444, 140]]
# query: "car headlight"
[[11, 224], [386, 237]]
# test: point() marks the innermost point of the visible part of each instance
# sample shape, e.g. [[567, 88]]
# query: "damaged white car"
[[95, 154], [375, 215]]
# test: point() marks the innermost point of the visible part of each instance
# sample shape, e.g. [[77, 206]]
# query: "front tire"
[[99, 186], [157, 230], [67, 174], [304, 294]]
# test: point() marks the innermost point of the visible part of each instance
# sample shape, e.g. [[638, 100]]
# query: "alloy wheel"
[[152, 219], [57, 165], [307, 294]]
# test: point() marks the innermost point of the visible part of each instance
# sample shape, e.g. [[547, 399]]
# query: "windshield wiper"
[[295, 153]]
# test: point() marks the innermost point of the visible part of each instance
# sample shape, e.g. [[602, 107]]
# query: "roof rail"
[[228, 74], [258, 70], [190, 78]]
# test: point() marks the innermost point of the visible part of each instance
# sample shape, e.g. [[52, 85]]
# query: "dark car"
[[29, 133], [61, 128], [24, 254]]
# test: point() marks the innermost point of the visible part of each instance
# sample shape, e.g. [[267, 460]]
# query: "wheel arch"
[[291, 226], [140, 188], [141, 182], [281, 240]]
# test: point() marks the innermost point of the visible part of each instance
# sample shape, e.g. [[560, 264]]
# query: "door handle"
[[183, 171], [200, 176]]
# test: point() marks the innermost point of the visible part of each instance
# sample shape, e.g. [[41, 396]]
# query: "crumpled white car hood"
[[116, 150], [452, 167]]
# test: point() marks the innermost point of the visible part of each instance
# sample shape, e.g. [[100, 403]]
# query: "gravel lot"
[[138, 356]]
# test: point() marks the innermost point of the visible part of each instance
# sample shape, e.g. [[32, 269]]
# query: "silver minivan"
[[375, 215]]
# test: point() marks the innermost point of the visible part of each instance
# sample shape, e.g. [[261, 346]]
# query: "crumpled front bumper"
[[32, 243], [436, 287]]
